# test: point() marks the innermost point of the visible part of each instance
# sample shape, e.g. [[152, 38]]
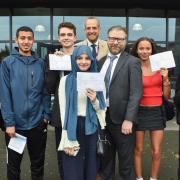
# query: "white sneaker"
[[152, 178], [139, 178]]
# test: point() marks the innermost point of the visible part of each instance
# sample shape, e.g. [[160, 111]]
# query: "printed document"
[[62, 63], [160, 60], [17, 143], [94, 81]]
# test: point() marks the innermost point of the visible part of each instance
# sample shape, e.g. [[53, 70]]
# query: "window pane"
[[172, 29], [36, 18], [151, 27], [105, 22], [78, 21], [39, 24], [108, 17], [174, 42], [56, 21], [4, 27]]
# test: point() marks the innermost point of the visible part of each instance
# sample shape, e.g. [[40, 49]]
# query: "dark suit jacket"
[[125, 89], [52, 79]]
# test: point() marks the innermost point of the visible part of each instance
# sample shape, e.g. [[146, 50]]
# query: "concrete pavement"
[[169, 164]]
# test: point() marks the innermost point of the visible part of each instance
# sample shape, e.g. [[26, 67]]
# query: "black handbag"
[[168, 107], [102, 145]]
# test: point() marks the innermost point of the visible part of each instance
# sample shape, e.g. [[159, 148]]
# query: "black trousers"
[[58, 132], [123, 146], [36, 144], [83, 166]]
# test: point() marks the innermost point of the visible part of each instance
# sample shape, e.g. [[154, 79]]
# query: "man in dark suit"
[[124, 89]]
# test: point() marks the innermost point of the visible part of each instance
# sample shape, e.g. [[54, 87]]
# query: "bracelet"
[[167, 83], [166, 80]]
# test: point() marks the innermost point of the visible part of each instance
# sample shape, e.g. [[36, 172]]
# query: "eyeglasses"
[[113, 39]]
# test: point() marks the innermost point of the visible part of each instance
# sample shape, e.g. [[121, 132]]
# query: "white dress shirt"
[[105, 67], [96, 43]]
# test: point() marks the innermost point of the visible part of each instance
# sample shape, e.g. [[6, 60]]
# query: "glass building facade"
[[161, 25]]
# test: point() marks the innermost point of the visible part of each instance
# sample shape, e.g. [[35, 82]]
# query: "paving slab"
[[169, 164]]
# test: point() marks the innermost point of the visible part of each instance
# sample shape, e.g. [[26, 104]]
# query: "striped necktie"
[[93, 50], [108, 75]]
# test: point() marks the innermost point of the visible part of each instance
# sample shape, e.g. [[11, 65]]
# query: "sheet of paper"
[[164, 59], [17, 143], [62, 63], [93, 81]]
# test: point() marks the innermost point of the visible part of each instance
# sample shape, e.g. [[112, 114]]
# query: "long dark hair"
[[151, 41]]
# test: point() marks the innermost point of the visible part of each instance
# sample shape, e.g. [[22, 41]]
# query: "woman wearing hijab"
[[81, 115]]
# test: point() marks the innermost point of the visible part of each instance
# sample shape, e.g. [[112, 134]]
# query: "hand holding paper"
[[91, 94], [86, 80], [62, 63], [17, 143], [162, 60]]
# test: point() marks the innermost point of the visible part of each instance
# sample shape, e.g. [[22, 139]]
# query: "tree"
[[4, 52]]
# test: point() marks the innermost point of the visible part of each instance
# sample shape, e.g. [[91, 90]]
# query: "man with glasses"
[[92, 30], [123, 91]]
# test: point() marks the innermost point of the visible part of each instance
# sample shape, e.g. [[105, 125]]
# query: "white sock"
[[152, 178], [139, 178]]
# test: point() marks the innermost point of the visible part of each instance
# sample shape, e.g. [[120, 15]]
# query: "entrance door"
[[43, 49]]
